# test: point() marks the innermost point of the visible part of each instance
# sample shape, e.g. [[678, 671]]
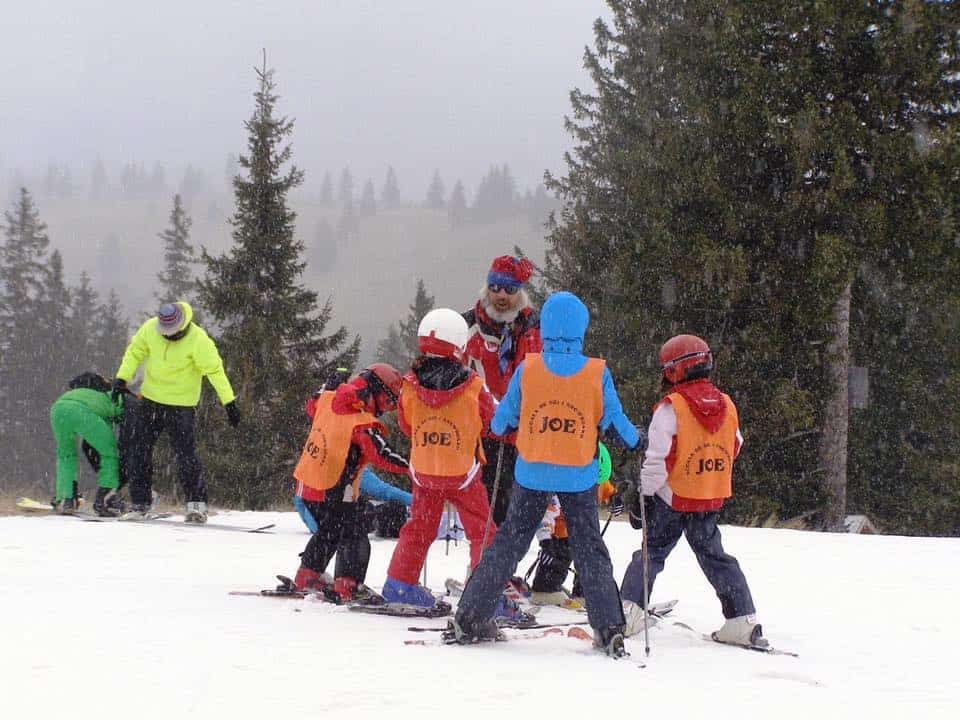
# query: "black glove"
[[636, 519], [119, 388], [551, 552], [616, 504], [233, 413]]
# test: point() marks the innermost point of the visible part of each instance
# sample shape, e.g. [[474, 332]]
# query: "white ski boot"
[[742, 630], [196, 512], [633, 613]]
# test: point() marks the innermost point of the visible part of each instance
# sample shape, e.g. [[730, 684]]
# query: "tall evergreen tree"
[[24, 390], [177, 280], [81, 335], [345, 188], [326, 191], [390, 195], [457, 207], [436, 193], [271, 327], [111, 336], [399, 348], [368, 200], [736, 169]]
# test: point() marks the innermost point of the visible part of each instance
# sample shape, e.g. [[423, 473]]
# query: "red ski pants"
[[420, 530]]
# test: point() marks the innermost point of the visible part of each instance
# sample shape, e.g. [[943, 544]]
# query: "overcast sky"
[[419, 84]]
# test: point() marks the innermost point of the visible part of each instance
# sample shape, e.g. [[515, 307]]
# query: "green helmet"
[[603, 460]]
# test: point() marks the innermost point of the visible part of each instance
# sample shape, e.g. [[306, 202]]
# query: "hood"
[[563, 323], [437, 381], [705, 401]]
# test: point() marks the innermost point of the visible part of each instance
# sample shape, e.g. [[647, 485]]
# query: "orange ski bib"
[[703, 468], [559, 415], [444, 440], [325, 453]]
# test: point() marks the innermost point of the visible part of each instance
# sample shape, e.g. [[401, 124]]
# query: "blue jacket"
[[563, 323], [369, 484]]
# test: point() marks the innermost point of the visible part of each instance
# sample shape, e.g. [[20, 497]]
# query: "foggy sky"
[[419, 84]]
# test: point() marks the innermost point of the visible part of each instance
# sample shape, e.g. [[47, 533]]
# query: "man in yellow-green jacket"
[[176, 355]]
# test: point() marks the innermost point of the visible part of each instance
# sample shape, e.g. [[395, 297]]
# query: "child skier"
[[696, 422], [344, 437], [444, 408], [559, 402]]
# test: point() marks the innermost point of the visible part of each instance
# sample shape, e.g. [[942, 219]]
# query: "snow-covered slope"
[[105, 620]]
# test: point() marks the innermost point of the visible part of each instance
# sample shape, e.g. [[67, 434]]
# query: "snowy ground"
[[118, 620]]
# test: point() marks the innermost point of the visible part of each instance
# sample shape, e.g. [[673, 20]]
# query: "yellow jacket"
[[174, 369]]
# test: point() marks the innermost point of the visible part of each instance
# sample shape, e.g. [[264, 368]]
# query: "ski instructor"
[[176, 355], [501, 329]]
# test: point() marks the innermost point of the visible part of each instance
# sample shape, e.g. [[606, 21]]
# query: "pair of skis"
[[286, 590], [33, 507]]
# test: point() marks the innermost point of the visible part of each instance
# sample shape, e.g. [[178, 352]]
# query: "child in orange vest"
[[345, 436], [693, 440], [444, 408], [560, 402]]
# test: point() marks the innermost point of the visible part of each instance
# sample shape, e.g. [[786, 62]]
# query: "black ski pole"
[[645, 553], [493, 500]]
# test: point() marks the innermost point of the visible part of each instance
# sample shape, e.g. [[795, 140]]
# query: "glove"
[[119, 388], [233, 413], [636, 519], [551, 552], [616, 505]]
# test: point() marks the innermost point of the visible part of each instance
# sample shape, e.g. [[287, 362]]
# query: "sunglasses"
[[508, 289]]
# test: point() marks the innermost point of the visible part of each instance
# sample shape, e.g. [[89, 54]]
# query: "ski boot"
[[742, 630], [108, 503], [196, 512], [306, 580], [464, 632], [609, 640], [395, 591], [507, 613], [66, 506], [636, 619]]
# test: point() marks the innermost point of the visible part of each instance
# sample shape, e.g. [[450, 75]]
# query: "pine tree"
[[271, 327], [345, 188], [436, 193], [736, 169], [457, 208], [177, 280], [390, 195], [348, 226], [24, 391], [111, 336], [368, 200], [326, 191], [399, 348], [81, 336]]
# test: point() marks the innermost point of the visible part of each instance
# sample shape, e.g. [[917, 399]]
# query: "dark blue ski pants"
[[512, 541], [664, 528]]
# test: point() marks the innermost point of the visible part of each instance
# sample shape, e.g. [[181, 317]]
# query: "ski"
[[91, 517], [441, 609], [164, 519], [712, 638], [507, 624], [502, 637]]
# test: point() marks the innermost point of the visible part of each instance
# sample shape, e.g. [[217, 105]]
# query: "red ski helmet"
[[385, 382], [684, 357]]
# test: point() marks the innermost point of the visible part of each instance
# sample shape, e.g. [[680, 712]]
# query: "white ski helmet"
[[442, 332]]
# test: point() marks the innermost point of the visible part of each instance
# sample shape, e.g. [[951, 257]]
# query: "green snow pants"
[[69, 419]]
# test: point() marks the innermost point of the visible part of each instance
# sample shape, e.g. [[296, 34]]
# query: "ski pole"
[[645, 553], [493, 500]]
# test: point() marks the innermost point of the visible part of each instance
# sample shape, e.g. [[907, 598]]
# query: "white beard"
[[503, 317]]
